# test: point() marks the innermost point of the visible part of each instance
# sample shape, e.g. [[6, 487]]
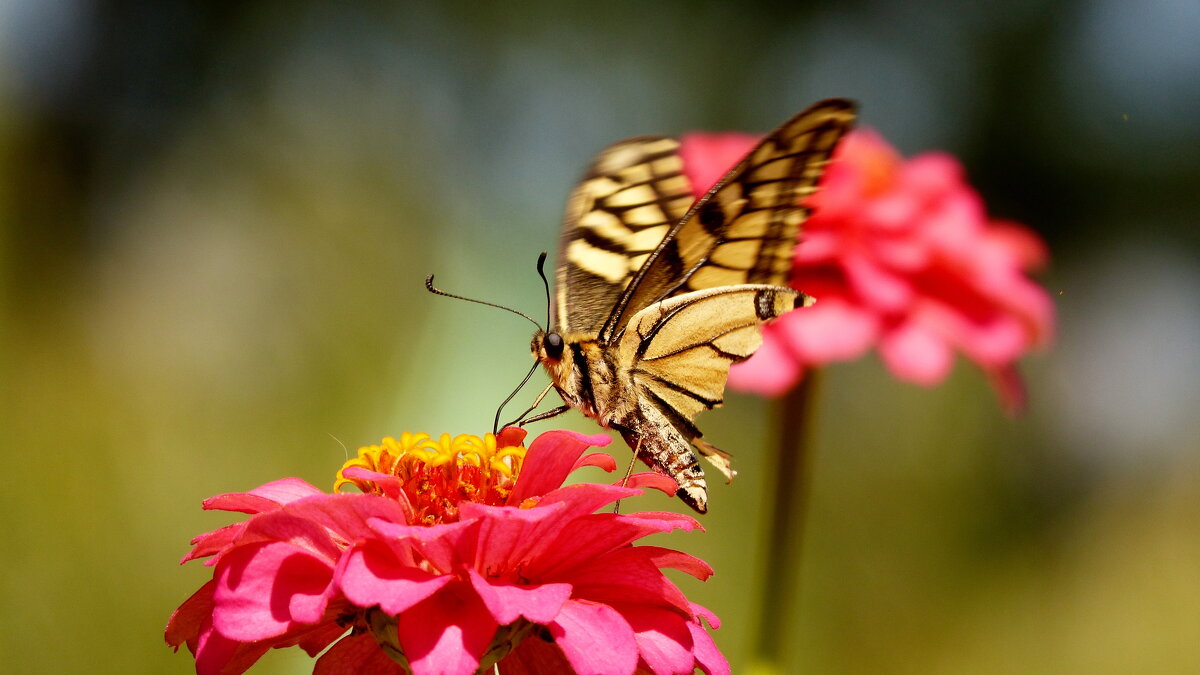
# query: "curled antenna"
[[437, 291], [542, 273]]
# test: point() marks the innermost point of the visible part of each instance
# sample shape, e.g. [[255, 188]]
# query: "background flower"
[[461, 553], [901, 256]]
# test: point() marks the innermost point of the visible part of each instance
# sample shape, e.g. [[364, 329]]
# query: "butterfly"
[[658, 293]]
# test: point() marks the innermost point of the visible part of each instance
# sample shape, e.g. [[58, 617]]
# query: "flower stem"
[[781, 564]]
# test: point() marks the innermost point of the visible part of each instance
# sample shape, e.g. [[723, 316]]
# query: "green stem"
[[781, 564]]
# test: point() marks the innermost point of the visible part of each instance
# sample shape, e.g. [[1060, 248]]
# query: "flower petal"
[[595, 639], [447, 633], [507, 602], [587, 537], [266, 497], [663, 639], [677, 560], [550, 459], [645, 480], [708, 157], [371, 574], [710, 659], [508, 536], [218, 655], [627, 575], [834, 329], [437, 546], [186, 622], [915, 354], [771, 371], [602, 460], [263, 589]]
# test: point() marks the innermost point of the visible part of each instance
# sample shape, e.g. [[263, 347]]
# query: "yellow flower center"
[[436, 475]]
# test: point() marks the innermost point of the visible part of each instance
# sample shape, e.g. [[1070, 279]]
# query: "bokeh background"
[[215, 219]]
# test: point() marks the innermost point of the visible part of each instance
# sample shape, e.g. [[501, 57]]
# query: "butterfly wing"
[[675, 356], [630, 197], [744, 229]]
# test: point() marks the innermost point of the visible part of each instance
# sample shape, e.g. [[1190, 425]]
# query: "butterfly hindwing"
[[675, 356]]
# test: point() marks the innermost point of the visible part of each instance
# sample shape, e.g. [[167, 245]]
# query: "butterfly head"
[[547, 346], [550, 349]]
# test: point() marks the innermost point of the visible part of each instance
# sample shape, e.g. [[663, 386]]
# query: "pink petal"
[[581, 499], [879, 288], [284, 525], [1011, 389], [595, 639], [356, 655], [1022, 245], [932, 174], [771, 371], [351, 516], [186, 622], [708, 157], [508, 536], [550, 459], [262, 589], [677, 560], [371, 575], [703, 612], [509, 601], [437, 546], [214, 542], [915, 354], [831, 330], [711, 660], [651, 480], [447, 633], [602, 460], [627, 576], [263, 498], [218, 655], [589, 536], [663, 639]]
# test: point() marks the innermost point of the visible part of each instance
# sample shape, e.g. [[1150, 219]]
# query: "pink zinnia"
[[900, 254], [458, 554]]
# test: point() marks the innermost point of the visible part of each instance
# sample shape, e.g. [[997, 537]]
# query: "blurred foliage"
[[215, 219]]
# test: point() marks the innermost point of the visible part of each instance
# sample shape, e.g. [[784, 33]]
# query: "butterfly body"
[[659, 293]]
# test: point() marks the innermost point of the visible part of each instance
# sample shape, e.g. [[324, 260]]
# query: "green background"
[[215, 219]]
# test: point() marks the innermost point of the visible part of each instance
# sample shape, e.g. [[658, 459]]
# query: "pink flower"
[[459, 554], [900, 255]]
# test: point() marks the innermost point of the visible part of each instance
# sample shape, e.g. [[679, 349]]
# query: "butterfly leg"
[[628, 472], [553, 412]]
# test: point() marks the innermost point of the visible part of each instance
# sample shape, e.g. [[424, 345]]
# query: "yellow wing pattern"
[[630, 197], [744, 229]]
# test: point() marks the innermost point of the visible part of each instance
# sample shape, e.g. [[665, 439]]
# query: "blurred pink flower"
[[900, 255], [459, 554]]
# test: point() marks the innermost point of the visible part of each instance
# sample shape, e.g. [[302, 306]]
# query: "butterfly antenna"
[[496, 421], [437, 291], [541, 268]]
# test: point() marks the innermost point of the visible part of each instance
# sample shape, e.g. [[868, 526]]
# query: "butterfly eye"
[[553, 343]]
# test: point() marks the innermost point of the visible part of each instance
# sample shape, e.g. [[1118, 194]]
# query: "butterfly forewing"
[[627, 202], [744, 229]]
